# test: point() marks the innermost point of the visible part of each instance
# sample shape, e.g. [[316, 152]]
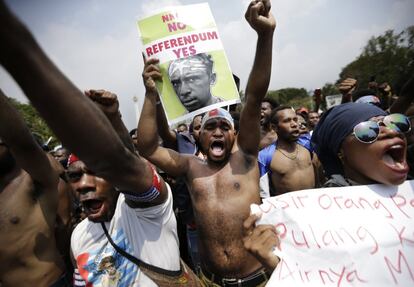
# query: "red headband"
[[72, 158]]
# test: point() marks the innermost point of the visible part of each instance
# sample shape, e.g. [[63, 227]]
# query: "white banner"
[[348, 236], [333, 100]]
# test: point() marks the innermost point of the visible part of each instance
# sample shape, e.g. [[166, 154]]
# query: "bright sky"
[[95, 42]]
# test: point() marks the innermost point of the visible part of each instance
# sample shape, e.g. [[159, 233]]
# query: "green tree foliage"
[[295, 97], [388, 58], [34, 122]]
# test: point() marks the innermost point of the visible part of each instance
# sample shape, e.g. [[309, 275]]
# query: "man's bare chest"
[[288, 163]]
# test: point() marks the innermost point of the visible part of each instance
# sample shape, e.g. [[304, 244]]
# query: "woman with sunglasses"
[[360, 144]]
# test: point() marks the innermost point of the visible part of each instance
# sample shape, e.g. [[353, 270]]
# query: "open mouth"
[[394, 157], [217, 148], [92, 206]]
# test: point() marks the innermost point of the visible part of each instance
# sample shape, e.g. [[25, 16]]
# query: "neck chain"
[[290, 156]]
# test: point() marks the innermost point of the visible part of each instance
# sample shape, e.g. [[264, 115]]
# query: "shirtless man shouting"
[[223, 186]]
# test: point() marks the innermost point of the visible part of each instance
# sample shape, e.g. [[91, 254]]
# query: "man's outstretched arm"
[[169, 137], [168, 160], [81, 126], [27, 153], [261, 20]]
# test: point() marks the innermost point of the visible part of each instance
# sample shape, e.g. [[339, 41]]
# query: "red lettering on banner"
[[149, 51], [336, 198], [347, 233], [300, 244], [167, 44], [184, 52], [167, 18], [282, 265], [361, 199], [294, 202], [344, 274], [401, 203], [401, 236], [398, 268], [362, 233], [177, 53], [173, 27], [302, 275], [378, 203], [314, 237], [321, 272], [325, 235], [173, 43], [300, 197], [161, 46], [212, 35], [322, 197], [285, 204], [265, 208], [350, 203], [354, 273], [340, 275], [180, 41], [155, 49], [192, 50]]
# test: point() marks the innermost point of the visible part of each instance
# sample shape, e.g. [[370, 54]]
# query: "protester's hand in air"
[[259, 17], [317, 96], [151, 74], [261, 240], [105, 100], [347, 86]]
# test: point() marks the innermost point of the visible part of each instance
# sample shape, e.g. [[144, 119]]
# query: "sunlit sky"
[[96, 44]]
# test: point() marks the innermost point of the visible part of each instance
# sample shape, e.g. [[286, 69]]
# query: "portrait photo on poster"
[[192, 79]]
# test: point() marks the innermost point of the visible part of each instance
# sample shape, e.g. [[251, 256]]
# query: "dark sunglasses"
[[373, 100], [368, 131]]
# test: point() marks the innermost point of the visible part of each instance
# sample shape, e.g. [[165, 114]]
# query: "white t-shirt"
[[149, 234]]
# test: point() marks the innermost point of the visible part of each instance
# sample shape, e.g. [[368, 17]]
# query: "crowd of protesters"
[[162, 207]]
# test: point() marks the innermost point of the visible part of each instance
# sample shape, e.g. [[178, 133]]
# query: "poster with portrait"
[[196, 75], [343, 236]]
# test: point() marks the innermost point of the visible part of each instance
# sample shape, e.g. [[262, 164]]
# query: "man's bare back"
[[292, 170]]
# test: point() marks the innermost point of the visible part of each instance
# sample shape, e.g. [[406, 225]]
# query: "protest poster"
[[333, 100], [196, 76], [345, 236]]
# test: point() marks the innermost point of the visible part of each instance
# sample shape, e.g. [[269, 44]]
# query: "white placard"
[[333, 100], [346, 236]]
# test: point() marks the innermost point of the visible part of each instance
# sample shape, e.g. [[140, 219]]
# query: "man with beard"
[[223, 185], [29, 181], [289, 163], [267, 133]]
